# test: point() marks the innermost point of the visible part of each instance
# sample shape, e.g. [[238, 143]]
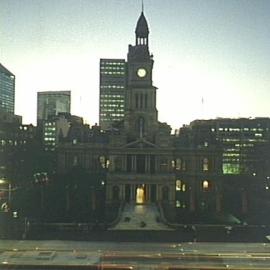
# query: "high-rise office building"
[[239, 140], [7, 90], [112, 91], [57, 127], [51, 103]]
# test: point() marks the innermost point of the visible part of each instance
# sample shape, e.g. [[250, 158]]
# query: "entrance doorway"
[[140, 194]]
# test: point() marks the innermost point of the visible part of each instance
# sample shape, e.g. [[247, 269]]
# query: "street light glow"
[[2, 181]]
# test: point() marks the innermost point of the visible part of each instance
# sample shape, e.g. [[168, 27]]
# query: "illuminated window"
[[205, 165], [178, 185], [231, 168], [102, 161], [178, 164], [180, 204], [184, 187], [75, 160], [205, 185], [184, 165]]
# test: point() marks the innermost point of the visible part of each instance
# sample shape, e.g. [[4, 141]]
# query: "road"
[[118, 255]]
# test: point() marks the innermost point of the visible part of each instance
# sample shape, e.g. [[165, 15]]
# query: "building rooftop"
[[142, 29], [5, 70]]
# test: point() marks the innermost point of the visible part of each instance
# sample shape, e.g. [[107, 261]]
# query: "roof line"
[[5, 70]]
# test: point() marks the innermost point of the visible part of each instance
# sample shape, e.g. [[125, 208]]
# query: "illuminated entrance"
[[140, 194]]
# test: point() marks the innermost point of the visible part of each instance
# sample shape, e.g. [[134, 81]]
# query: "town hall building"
[[144, 162]]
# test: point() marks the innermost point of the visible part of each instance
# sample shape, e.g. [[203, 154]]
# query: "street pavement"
[[114, 255]]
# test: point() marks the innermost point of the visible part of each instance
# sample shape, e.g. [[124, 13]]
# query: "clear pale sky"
[[212, 57]]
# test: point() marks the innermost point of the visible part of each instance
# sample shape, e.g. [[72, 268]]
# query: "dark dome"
[[142, 27]]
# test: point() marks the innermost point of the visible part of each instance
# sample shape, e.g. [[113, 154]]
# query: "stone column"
[[148, 193], [125, 163], [157, 160], [147, 163], [122, 192], [133, 163], [145, 193], [159, 193], [132, 192]]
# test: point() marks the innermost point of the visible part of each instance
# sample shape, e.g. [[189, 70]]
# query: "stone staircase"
[[140, 217]]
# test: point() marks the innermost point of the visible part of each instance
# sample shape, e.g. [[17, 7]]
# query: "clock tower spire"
[[141, 114], [142, 31]]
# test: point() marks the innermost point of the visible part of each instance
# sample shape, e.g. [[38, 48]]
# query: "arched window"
[[145, 101], [75, 160], [205, 164], [165, 193], [206, 185], [141, 101], [178, 185], [136, 101], [115, 193], [141, 126], [178, 164], [118, 164], [102, 161]]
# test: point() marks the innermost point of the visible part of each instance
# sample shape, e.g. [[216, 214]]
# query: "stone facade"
[[143, 161]]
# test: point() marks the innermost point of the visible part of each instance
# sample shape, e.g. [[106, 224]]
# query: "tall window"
[[141, 126], [75, 160], [140, 160], [205, 164], [102, 161], [137, 101], [118, 164], [180, 186], [180, 164], [206, 185], [129, 163], [145, 101], [152, 164], [141, 101]]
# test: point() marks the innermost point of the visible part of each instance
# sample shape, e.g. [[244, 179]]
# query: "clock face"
[[141, 72]]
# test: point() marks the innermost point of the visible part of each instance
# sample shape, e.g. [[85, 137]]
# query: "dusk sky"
[[212, 57]]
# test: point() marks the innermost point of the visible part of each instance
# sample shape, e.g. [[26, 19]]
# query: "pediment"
[[140, 143]]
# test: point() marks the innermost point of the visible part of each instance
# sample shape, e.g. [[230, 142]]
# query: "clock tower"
[[141, 113]]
